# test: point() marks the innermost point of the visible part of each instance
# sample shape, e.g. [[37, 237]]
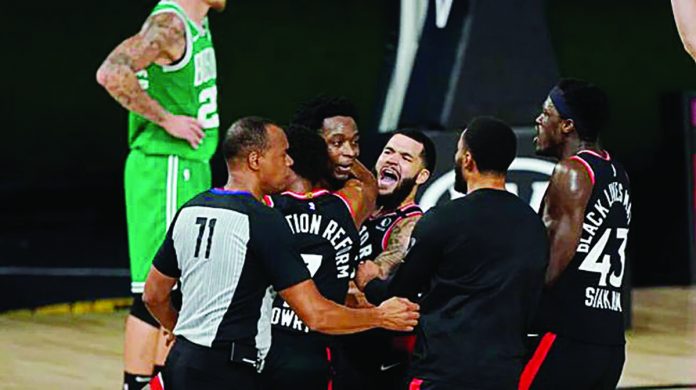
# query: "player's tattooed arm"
[[361, 192], [162, 40], [564, 210], [685, 17], [397, 245], [387, 262]]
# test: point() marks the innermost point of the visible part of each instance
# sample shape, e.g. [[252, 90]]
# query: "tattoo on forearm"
[[397, 245], [163, 35]]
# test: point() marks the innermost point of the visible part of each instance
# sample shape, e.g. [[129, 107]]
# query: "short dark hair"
[[429, 153], [313, 112], [309, 153], [245, 135], [590, 107], [492, 143]]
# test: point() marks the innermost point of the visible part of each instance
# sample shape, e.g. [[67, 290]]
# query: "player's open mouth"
[[343, 169], [388, 176]]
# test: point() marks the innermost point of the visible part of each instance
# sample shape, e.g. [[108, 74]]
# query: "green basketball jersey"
[[184, 88]]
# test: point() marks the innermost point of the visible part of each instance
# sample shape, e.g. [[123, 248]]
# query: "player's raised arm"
[[564, 210], [360, 191], [685, 17], [163, 41]]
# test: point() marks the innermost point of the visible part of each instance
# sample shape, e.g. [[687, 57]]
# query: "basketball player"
[[586, 210], [229, 248], [479, 262], [379, 360], [335, 118], [406, 162], [165, 76], [685, 16], [324, 227]]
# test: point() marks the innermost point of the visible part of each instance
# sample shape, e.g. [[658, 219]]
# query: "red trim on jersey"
[[409, 204], [307, 195], [328, 358], [157, 383], [415, 384], [536, 361], [604, 156], [268, 200], [382, 213], [347, 203], [587, 166]]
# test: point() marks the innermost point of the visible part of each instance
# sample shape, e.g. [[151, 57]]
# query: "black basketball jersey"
[[586, 303], [327, 239], [375, 232]]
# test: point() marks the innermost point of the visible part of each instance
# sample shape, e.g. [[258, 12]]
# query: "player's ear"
[[422, 176], [567, 126], [253, 160], [468, 161]]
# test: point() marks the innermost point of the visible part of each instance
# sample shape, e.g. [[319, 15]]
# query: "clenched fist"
[[399, 314]]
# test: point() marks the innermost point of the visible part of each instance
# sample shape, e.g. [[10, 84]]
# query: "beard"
[[544, 152], [400, 193], [459, 181]]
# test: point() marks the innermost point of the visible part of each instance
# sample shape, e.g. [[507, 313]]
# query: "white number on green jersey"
[[207, 113]]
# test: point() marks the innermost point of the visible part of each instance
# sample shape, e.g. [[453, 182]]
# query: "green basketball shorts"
[[156, 186]]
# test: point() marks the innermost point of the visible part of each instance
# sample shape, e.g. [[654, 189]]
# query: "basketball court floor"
[[79, 346]]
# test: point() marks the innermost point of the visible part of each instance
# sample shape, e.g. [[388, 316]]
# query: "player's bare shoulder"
[[571, 176], [165, 33]]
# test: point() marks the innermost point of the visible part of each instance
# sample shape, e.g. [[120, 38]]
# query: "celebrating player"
[[406, 162], [586, 210], [335, 118], [324, 228], [479, 262]]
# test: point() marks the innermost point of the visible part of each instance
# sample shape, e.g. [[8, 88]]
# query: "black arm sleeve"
[[165, 260], [418, 266], [273, 242]]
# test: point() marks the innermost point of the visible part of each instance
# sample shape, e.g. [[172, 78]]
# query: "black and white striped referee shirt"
[[228, 249]]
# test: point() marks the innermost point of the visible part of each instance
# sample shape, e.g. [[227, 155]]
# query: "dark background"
[[61, 192]]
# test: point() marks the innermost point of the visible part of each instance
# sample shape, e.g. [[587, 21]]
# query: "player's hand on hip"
[[184, 127], [399, 314]]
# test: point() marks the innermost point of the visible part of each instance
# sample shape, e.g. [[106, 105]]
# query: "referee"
[[228, 248], [483, 257]]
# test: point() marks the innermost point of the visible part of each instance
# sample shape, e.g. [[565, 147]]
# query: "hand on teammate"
[[184, 127], [399, 314], [367, 271]]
